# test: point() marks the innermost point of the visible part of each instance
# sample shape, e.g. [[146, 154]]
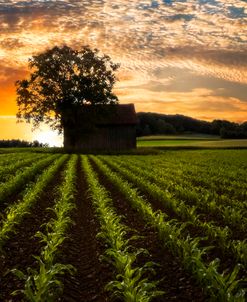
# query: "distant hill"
[[156, 123]]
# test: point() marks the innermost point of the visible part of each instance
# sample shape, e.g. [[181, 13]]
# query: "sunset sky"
[[177, 57]]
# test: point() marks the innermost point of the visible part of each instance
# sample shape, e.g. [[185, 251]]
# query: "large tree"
[[61, 81]]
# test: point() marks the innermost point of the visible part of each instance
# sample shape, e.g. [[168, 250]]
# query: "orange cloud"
[[149, 39], [197, 103]]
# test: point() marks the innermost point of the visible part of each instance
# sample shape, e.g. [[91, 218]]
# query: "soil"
[[82, 250], [177, 284], [19, 249], [227, 262], [18, 194]]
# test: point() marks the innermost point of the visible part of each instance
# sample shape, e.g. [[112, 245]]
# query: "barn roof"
[[101, 115], [123, 114]]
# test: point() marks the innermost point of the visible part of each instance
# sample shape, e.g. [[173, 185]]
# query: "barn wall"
[[109, 138], [67, 143], [69, 138]]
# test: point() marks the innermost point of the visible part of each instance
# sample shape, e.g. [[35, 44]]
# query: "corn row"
[[16, 212], [204, 201], [130, 285], [42, 284], [6, 159], [197, 184], [220, 286], [7, 171], [21, 178], [234, 248], [225, 179], [232, 183]]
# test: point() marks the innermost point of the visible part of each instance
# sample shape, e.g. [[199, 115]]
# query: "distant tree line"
[[155, 123], [20, 143]]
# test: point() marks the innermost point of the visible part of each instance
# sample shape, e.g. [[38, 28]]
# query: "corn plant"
[[9, 159], [130, 284], [6, 172], [183, 211], [16, 212], [239, 249], [21, 179], [43, 284], [187, 187], [186, 249]]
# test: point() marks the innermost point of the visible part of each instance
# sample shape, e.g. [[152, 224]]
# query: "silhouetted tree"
[[164, 127], [244, 127], [62, 80], [156, 123], [20, 143], [146, 130]]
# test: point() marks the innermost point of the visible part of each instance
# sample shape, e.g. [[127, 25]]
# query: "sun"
[[47, 136]]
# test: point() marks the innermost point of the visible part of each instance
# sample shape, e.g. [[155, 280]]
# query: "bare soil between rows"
[[22, 245], [227, 262], [18, 194], [83, 250], [177, 284]]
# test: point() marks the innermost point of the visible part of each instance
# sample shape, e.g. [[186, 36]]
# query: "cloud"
[[11, 43], [8, 75], [205, 40], [197, 103]]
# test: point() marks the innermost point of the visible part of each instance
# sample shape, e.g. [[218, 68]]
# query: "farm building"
[[108, 127]]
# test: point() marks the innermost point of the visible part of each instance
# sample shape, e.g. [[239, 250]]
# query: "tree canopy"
[[63, 79], [157, 123]]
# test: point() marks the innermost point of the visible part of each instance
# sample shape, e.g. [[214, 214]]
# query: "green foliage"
[[15, 213], [209, 201], [130, 284], [21, 178], [185, 199], [42, 284], [239, 249], [64, 79], [187, 249], [16, 165]]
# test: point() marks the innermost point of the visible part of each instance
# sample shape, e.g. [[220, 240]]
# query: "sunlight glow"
[[47, 136]]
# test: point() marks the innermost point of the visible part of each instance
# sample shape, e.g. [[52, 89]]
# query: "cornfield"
[[164, 227]]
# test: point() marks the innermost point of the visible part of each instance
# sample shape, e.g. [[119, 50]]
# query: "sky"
[[177, 57]]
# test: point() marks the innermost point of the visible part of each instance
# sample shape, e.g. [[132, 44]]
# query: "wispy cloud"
[[199, 103], [204, 38]]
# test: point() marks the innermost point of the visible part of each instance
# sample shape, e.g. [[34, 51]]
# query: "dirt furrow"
[[173, 280], [17, 195], [227, 261], [82, 250], [19, 249]]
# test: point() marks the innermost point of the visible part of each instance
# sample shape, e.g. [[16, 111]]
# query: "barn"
[[114, 128]]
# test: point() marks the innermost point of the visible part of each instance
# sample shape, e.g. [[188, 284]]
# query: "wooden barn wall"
[[109, 138], [66, 138]]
